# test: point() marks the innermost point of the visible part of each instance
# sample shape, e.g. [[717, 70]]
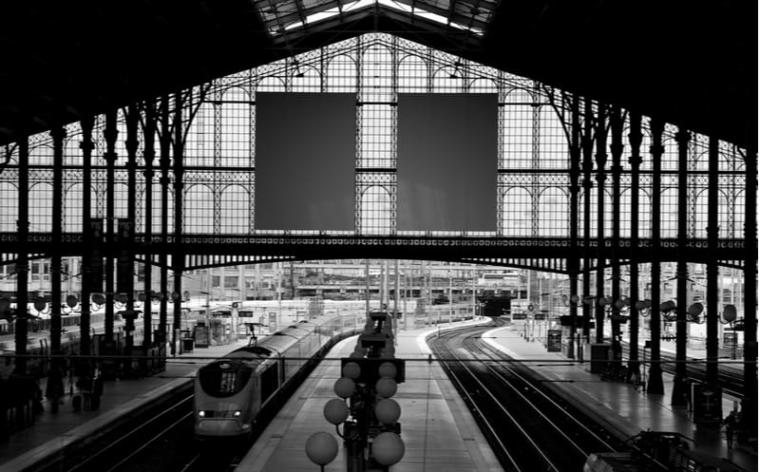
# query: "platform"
[[620, 407], [51, 432], [438, 430]]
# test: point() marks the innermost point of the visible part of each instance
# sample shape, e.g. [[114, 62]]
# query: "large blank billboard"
[[305, 161], [447, 162]]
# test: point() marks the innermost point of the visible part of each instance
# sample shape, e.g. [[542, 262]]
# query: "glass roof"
[[284, 17]]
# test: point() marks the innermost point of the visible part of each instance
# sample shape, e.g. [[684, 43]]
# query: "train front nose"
[[221, 427], [227, 423]]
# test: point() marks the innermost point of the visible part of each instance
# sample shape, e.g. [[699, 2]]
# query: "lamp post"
[[371, 432]]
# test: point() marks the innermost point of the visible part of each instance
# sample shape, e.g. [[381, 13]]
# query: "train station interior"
[[378, 235]]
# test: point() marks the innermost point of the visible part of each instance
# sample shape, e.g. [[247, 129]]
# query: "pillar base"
[[654, 383], [681, 393]]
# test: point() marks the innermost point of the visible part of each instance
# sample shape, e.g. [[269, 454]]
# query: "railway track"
[[109, 448], [528, 427]]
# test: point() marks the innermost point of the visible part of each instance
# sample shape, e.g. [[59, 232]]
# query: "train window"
[[268, 382], [224, 378]]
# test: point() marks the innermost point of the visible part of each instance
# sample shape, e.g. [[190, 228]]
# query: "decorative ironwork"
[[532, 157]]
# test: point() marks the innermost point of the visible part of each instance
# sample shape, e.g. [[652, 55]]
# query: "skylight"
[[291, 15]]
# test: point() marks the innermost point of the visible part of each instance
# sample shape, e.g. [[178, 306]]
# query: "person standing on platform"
[[97, 390], [84, 384], [54, 388], [731, 422]]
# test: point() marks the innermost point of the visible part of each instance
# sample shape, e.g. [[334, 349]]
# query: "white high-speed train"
[[230, 392]]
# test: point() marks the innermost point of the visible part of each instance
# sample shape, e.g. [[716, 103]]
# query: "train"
[[231, 392]]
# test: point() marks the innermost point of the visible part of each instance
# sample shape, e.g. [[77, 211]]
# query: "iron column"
[[177, 257], [572, 262], [713, 295], [601, 176], [164, 161], [616, 149], [634, 139], [22, 261], [110, 133], [680, 395], [654, 384], [58, 133], [588, 150], [149, 132], [84, 320]]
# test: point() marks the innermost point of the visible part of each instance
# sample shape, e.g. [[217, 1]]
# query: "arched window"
[[9, 152], [156, 204], [40, 150], [595, 216], [72, 153], [554, 149], [517, 132], [553, 213], [8, 207], [235, 205], [726, 224], [341, 74], [199, 144], [376, 135], [516, 214], [729, 158], [412, 75], [306, 79], [199, 210], [670, 154], [72, 208], [625, 213], [447, 79], [40, 207], [646, 145], [120, 201], [669, 213], [482, 85], [701, 161], [121, 138], [236, 128], [376, 211], [270, 84], [739, 214], [700, 215], [377, 73], [644, 215]]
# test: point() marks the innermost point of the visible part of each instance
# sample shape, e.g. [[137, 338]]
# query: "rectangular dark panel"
[[447, 162], [305, 161]]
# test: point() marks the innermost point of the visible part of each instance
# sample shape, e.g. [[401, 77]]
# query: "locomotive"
[[231, 391]]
